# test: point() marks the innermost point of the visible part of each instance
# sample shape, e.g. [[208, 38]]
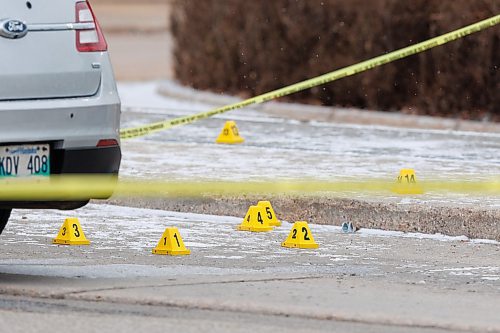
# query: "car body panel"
[[74, 122], [41, 11], [46, 64]]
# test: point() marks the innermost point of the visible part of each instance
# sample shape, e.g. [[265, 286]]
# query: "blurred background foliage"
[[247, 48]]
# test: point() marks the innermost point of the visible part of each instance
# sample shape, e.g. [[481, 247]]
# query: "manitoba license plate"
[[25, 160]]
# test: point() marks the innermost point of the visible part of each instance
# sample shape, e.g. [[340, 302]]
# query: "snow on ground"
[[122, 239], [286, 149]]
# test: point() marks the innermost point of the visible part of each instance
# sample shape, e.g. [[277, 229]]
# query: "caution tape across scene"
[[91, 186], [325, 78]]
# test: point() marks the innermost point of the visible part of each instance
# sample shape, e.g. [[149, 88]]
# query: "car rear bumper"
[[68, 123], [105, 160], [101, 160]]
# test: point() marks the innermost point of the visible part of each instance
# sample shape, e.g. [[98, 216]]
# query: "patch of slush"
[[489, 273], [491, 278], [465, 269], [225, 257]]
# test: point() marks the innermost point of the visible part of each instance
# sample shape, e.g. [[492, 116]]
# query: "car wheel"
[[4, 217]]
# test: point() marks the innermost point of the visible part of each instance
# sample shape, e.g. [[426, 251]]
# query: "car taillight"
[[107, 143], [88, 39]]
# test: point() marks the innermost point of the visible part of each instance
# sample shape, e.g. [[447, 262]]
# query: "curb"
[[472, 222]]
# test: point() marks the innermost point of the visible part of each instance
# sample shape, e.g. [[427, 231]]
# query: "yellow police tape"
[[325, 78], [81, 187]]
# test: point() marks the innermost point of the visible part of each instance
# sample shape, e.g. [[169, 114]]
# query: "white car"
[[59, 107]]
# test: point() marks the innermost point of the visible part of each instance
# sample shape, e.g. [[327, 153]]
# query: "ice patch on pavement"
[[491, 278], [489, 273], [226, 257]]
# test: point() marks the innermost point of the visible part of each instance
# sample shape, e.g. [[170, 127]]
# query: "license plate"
[[25, 160]]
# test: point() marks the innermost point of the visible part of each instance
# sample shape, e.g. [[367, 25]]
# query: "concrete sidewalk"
[[240, 281]]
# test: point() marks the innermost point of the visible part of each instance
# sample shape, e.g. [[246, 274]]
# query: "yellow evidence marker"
[[300, 236], [406, 183], [71, 233], [171, 243], [230, 134], [273, 220], [255, 220]]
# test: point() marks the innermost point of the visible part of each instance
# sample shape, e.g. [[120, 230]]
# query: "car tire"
[[4, 217]]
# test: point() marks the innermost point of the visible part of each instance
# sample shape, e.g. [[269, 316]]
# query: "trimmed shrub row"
[[251, 47]]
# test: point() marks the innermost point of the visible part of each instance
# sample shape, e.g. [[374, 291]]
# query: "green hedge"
[[250, 47]]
